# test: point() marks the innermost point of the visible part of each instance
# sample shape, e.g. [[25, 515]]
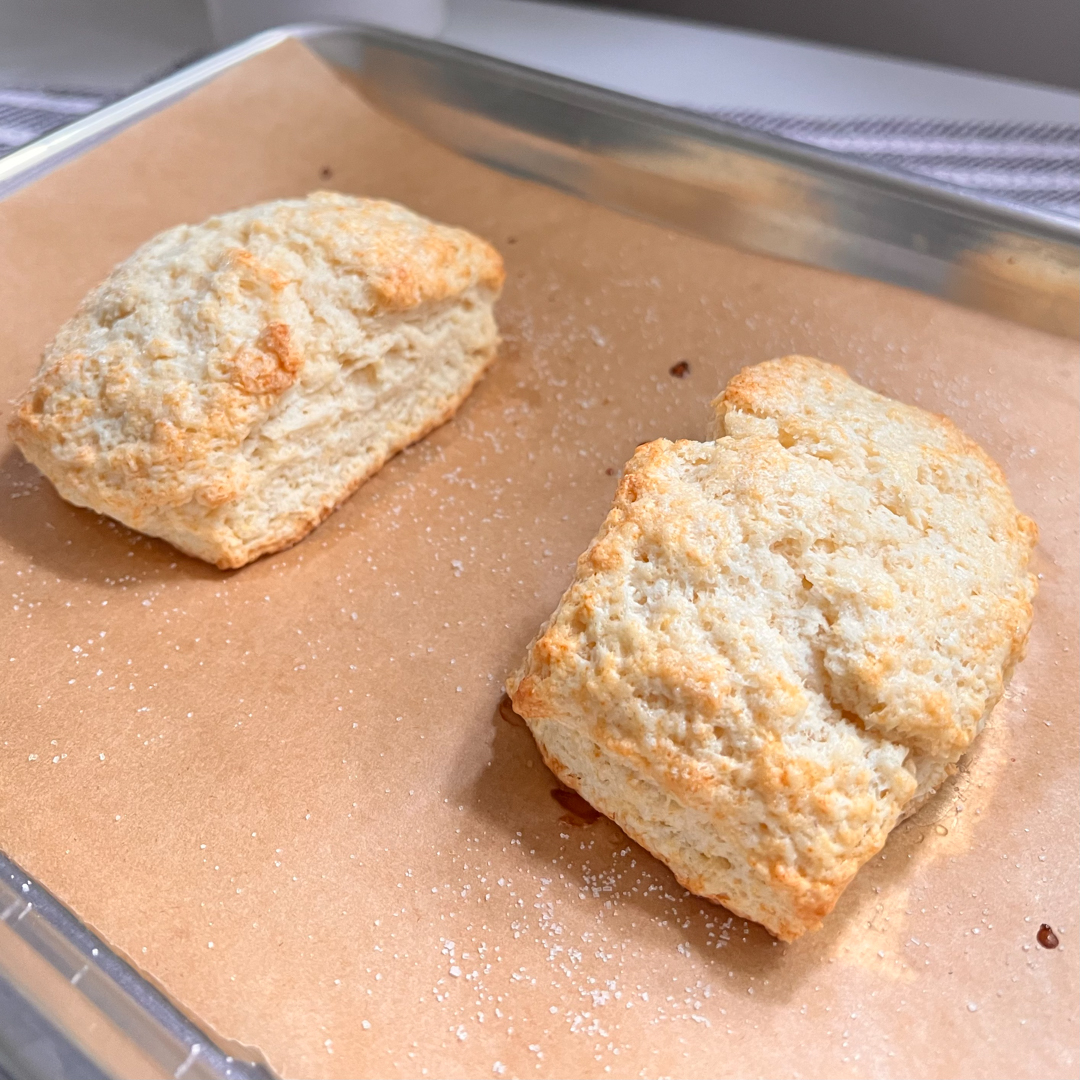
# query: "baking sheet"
[[289, 793]]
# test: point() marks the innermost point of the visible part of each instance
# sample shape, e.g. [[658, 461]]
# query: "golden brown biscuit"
[[232, 382], [781, 641]]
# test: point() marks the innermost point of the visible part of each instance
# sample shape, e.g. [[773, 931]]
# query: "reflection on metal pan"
[[759, 192]]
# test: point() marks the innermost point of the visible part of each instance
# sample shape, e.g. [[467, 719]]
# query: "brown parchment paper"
[[288, 794]]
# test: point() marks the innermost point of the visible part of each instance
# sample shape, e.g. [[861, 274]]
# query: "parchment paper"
[[288, 793]]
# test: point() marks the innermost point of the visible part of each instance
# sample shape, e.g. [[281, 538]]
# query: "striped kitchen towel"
[[26, 114], [1030, 164]]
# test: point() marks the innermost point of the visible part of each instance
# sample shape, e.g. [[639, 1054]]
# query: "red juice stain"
[[1046, 937], [578, 811], [506, 712]]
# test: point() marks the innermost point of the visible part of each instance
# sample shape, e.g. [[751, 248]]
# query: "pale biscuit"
[[232, 382], [781, 641]]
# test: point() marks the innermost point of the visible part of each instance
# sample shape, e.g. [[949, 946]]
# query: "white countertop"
[[112, 45], [705, 67]]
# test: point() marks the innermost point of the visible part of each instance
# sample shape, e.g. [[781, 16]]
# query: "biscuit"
[[781, 641], [232, 382]]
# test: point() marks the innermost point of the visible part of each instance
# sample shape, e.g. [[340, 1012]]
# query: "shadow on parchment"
[[77, 544], [518, 794]]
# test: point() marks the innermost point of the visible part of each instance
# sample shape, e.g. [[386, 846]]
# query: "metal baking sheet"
[[758, 192], [765, 195], [71, 1009]]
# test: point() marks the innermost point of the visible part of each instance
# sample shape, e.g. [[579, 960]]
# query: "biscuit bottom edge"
[[203, 534], [714, 868], [420, 424]]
